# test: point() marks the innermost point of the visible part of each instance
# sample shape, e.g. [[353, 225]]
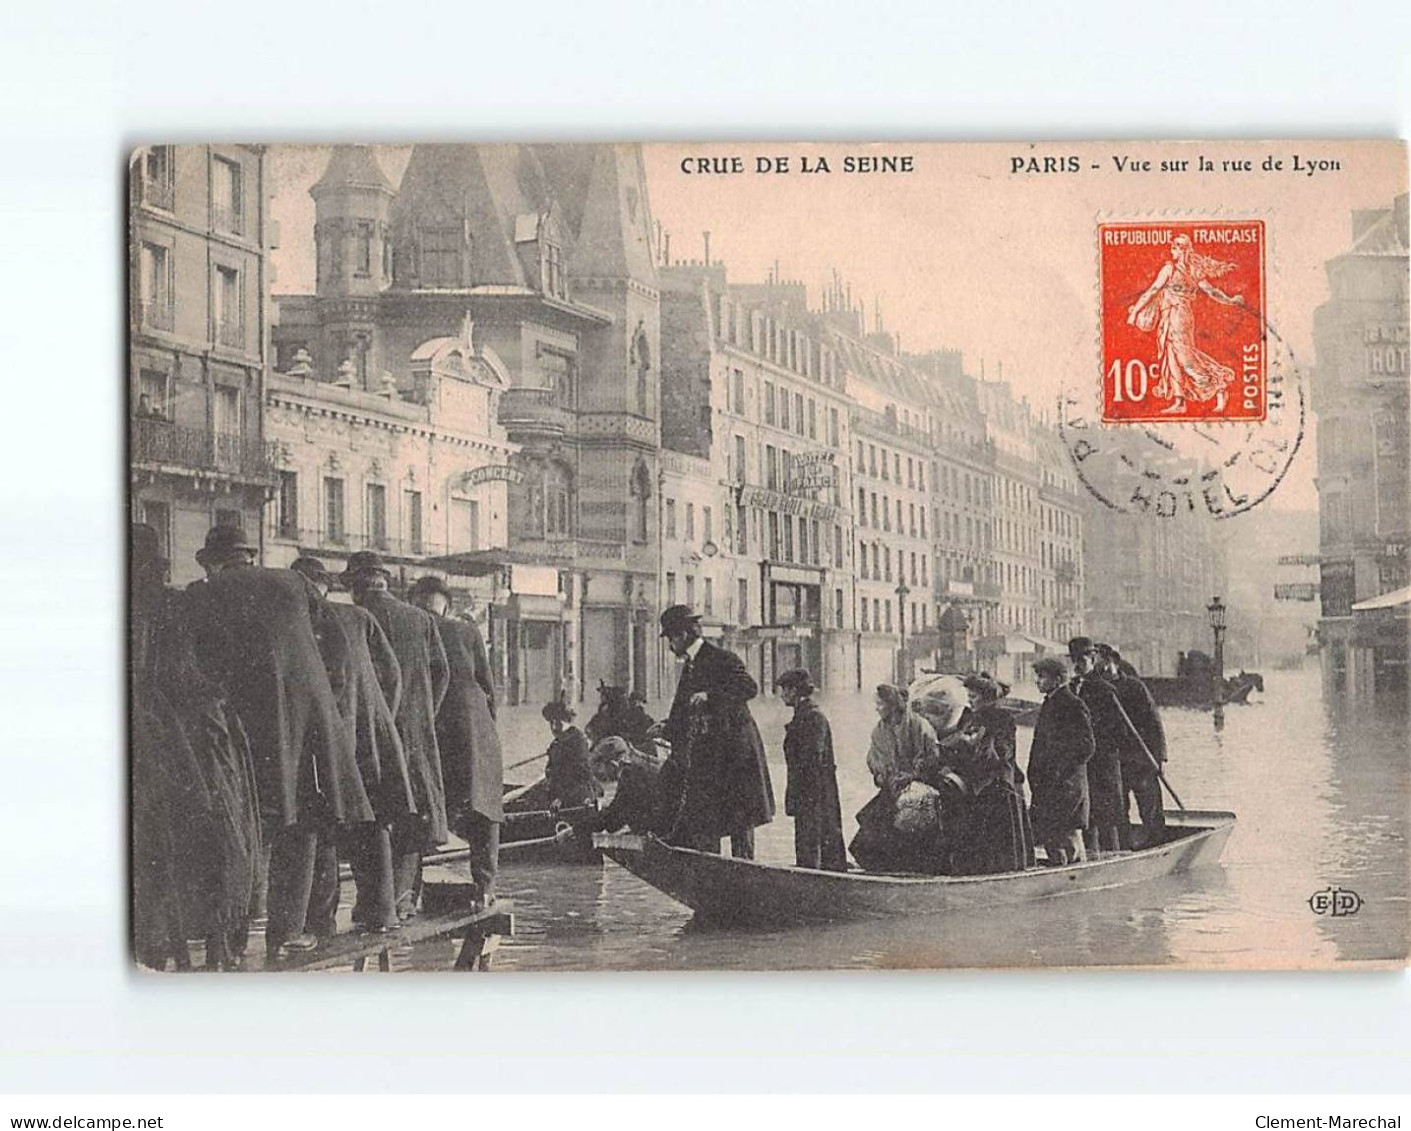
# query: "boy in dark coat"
[[425, 677], [727, 792], [472, 762], [1058, 759], [811, 796], [1139, 776]]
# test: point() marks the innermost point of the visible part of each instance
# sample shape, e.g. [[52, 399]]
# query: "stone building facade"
[[539, 261], [1360, 394], [197, 343], [753, 393]]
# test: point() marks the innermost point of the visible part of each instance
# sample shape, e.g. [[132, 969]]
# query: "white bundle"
[[918, 809]]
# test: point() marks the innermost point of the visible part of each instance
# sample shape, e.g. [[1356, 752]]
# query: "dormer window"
[[551, 268], [445, 252]]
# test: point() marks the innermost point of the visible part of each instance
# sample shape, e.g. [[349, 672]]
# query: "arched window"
[[558, 501], [639, 358], [640, 490]]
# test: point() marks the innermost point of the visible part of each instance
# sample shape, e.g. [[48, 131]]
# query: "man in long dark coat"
[[271, 640], [472, 763], [728, 791], [371, 691], [1058, 760], [195, 818], [1139, 776], [811, 795], [1112, 735], [425, 677]]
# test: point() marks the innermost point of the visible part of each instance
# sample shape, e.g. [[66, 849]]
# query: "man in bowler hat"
[[425, 677], [472, 763], [727, 791], [271, 640]]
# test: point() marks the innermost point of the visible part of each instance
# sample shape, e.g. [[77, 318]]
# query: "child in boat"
[[568, 779], [811, 796], [647, 789]]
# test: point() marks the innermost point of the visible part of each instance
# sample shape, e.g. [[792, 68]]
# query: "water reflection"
[[1322, 799]]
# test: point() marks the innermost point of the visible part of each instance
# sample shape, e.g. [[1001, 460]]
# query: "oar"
[[1150, 757], [518, 792], [526, 761]]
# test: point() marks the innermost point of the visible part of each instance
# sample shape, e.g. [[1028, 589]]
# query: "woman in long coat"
[[996, 836], [901, 742]]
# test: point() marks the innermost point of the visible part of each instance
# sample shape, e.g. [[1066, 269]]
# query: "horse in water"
[[1238, 687]]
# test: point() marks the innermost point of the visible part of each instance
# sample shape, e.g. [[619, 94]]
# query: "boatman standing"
[[1139, 772], [727, 792], [1112, 734]]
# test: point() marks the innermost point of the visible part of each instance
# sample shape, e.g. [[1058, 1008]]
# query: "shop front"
[[794, 619]]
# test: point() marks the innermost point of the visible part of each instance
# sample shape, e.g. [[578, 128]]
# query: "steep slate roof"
[[487, 186], [352, 166], [613, 238]]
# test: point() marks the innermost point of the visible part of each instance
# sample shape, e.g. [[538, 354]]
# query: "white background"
[[83, 82]]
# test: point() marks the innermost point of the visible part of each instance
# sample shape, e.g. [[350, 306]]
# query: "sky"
[[963, 251]]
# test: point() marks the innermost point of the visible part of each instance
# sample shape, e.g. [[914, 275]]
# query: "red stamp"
[[1183, 332]]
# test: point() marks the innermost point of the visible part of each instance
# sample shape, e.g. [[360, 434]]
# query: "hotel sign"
[[808, 471], [786, 504], [1296, 591]]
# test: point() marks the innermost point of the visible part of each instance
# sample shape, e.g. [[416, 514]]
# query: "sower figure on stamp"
[[425, 676], [1139, 771], [1058, 758], [1168, 305], [811, 796], [472, 763], [368, 700], [272, 641], [727, 791]]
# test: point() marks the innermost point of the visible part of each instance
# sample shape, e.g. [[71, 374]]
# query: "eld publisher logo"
[[1337, 902]]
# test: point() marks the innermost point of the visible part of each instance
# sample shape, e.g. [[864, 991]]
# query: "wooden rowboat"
[[721, 889]]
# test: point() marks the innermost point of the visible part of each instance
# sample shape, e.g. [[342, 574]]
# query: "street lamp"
[[902, 593], [1216, 612]]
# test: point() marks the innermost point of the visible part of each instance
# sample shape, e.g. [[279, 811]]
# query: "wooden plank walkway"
[[480, 932]]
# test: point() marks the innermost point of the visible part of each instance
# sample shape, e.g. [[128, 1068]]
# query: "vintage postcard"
[[779, 556]]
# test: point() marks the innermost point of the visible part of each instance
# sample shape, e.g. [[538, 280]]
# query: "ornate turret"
[[353, 241]]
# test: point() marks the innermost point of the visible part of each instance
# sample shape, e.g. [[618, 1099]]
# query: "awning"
[[1390, 600], [1005, 645], [1049, 646]]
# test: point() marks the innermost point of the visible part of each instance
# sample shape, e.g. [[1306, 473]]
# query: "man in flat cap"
[[728, 791], [425, 677], [272, 641], [472, 763]]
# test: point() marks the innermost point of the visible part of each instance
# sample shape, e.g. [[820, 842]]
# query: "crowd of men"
[[951, 796], [276, 731]]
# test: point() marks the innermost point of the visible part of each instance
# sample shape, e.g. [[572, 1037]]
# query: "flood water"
[[1322, 799]]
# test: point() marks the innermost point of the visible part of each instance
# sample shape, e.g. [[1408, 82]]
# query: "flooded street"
[[1321, 800]]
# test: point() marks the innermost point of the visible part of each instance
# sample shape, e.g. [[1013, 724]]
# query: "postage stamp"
[[1183, 321]]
